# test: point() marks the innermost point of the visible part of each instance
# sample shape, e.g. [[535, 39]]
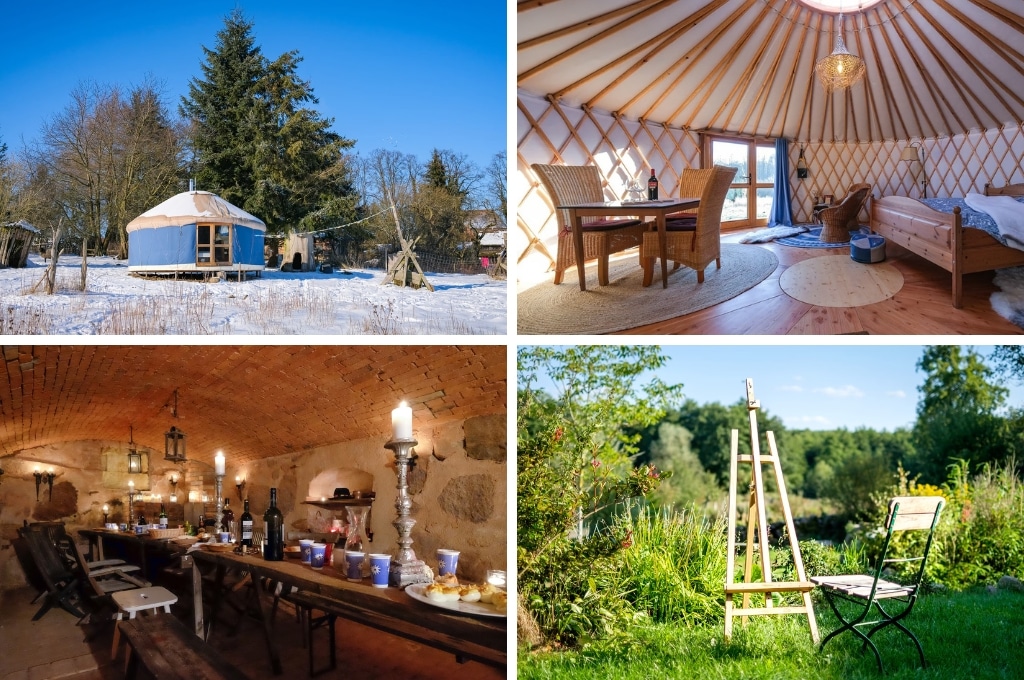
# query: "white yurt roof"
[[191, 206], [934, 67]]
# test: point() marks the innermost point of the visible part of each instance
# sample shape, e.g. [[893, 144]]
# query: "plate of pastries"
[[467, 598]]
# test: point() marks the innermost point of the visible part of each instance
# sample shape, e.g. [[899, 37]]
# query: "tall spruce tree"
[[257, 141]]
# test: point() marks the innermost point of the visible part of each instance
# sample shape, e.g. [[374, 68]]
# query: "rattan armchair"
[[838, 221], [694, 241], [568, 184]]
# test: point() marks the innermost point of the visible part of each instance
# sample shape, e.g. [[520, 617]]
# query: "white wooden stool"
[[139, 600]]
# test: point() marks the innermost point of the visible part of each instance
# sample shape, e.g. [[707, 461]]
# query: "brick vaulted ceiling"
[[934, 67], [251, 401]]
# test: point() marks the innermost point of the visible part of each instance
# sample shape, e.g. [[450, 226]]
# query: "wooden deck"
[[922, 307]]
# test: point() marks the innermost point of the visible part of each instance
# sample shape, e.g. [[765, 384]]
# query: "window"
[[213, 244], [755, 176]]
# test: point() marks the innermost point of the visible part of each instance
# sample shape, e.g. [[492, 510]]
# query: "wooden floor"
[[922, 307]]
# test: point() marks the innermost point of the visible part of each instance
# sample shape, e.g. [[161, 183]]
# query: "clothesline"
[[341, 226]]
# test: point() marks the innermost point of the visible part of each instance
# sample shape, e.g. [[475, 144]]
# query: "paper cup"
[[354, 565], [316, 556], [380, 565], [225, 537], [447, 561], [307, 548]]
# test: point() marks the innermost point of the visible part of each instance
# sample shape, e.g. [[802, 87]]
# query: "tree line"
[[247, 130], [962, 415]]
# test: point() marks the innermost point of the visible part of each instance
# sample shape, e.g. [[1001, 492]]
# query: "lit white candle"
[[496, 577], [401, 422], [106, 508], [238, 479], [174, 479], [218, 463], [131, 485]]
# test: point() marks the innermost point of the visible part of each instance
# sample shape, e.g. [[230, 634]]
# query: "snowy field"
[[353, 302]]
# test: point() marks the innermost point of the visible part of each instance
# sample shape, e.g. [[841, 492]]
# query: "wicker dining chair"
[[694, 241], [838, 221], [567, 184]]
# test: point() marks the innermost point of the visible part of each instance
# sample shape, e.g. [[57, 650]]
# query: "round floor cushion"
[[867, 248]]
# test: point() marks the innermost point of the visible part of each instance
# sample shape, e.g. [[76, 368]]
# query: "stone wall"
[[458, 488]]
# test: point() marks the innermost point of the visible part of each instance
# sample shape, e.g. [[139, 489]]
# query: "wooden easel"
[[756, 520]]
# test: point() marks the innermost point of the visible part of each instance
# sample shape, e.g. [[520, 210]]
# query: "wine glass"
[[635, 190]]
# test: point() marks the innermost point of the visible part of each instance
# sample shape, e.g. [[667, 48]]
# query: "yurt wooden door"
[[213, 245], [750, 197]]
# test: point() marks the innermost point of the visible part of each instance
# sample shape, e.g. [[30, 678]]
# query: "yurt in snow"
[[195, 231]]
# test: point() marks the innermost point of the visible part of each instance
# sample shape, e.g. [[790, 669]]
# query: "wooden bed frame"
[[941, 238]]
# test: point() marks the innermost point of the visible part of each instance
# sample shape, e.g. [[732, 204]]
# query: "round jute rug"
[[625, 303], [838, 281]]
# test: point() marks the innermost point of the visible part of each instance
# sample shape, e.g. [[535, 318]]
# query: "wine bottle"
[[246, 526], [163, 516], [652, 187], [227, 516], [273, 530]]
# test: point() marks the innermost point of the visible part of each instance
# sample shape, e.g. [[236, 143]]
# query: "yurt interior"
[[877, 147], [99, 444]]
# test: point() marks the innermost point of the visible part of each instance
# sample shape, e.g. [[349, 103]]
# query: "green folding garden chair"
[[906, 513]]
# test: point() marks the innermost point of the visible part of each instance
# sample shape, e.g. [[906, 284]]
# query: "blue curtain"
[[781, 214]]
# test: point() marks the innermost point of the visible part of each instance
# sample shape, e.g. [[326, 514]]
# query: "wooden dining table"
[[658, 209], [470, 638]]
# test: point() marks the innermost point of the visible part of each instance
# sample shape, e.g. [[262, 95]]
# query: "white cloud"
[[899, 394], [809, 420], [844, 392]]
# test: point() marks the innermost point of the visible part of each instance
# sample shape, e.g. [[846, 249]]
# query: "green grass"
[[973, 636]]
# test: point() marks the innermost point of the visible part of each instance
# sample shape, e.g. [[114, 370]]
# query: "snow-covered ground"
[[280, 303]]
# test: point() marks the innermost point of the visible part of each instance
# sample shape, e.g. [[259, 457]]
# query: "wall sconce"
[[914, 152], [106, 510], [40, 476], [174, 439], [174, 489], [134, 458], [240, 485]]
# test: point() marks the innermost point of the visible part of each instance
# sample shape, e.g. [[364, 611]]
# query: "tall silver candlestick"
[[131, 509], [406, 568], [218, 485]]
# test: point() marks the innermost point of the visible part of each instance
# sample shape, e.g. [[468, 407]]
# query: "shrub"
[[674, 565], [980, 536]]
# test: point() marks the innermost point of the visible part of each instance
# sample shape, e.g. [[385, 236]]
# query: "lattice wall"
[[549, 132]]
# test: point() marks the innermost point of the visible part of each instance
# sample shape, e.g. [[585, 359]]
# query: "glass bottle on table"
[[246, 520], [273, 537], [356, 540], [227, 516], [652, 187], [163, 516]]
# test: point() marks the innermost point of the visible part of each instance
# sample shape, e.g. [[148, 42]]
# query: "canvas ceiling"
[[250, 401], [934, 67]]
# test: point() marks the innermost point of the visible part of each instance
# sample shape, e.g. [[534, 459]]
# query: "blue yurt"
[[195, 231]]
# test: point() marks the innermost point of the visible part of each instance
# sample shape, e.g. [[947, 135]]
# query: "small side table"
[[140, 599], [816, 210]]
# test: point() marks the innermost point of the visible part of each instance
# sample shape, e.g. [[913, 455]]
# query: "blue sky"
[[407, 76], [814, 387]]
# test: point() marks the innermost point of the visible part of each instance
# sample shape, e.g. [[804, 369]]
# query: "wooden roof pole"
[[808, 107], [786, 99], [578, 47], [894, 112], [741, 86], [768, 83], [666, 39]]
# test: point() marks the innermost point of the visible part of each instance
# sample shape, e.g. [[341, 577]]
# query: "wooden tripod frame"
[[405, 270], [757, 523]]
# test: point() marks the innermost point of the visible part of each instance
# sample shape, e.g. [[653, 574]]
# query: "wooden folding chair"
[[62, 587], [906, 513]]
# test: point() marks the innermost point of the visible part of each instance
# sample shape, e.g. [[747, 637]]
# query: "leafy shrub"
[[674, 565], [980, 536]]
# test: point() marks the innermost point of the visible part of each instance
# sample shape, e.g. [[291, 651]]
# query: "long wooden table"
[[391, 610], [656, 209], [141, 550]]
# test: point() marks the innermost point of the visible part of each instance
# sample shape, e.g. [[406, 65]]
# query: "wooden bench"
[[170, 651]]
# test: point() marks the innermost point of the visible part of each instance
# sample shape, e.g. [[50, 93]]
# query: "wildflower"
[[595, 463], [652, 472], [628, 540], [558, 434]]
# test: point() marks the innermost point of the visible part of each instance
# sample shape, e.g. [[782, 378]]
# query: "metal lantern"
[[134, 457], [174, 439], [174, 445]]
